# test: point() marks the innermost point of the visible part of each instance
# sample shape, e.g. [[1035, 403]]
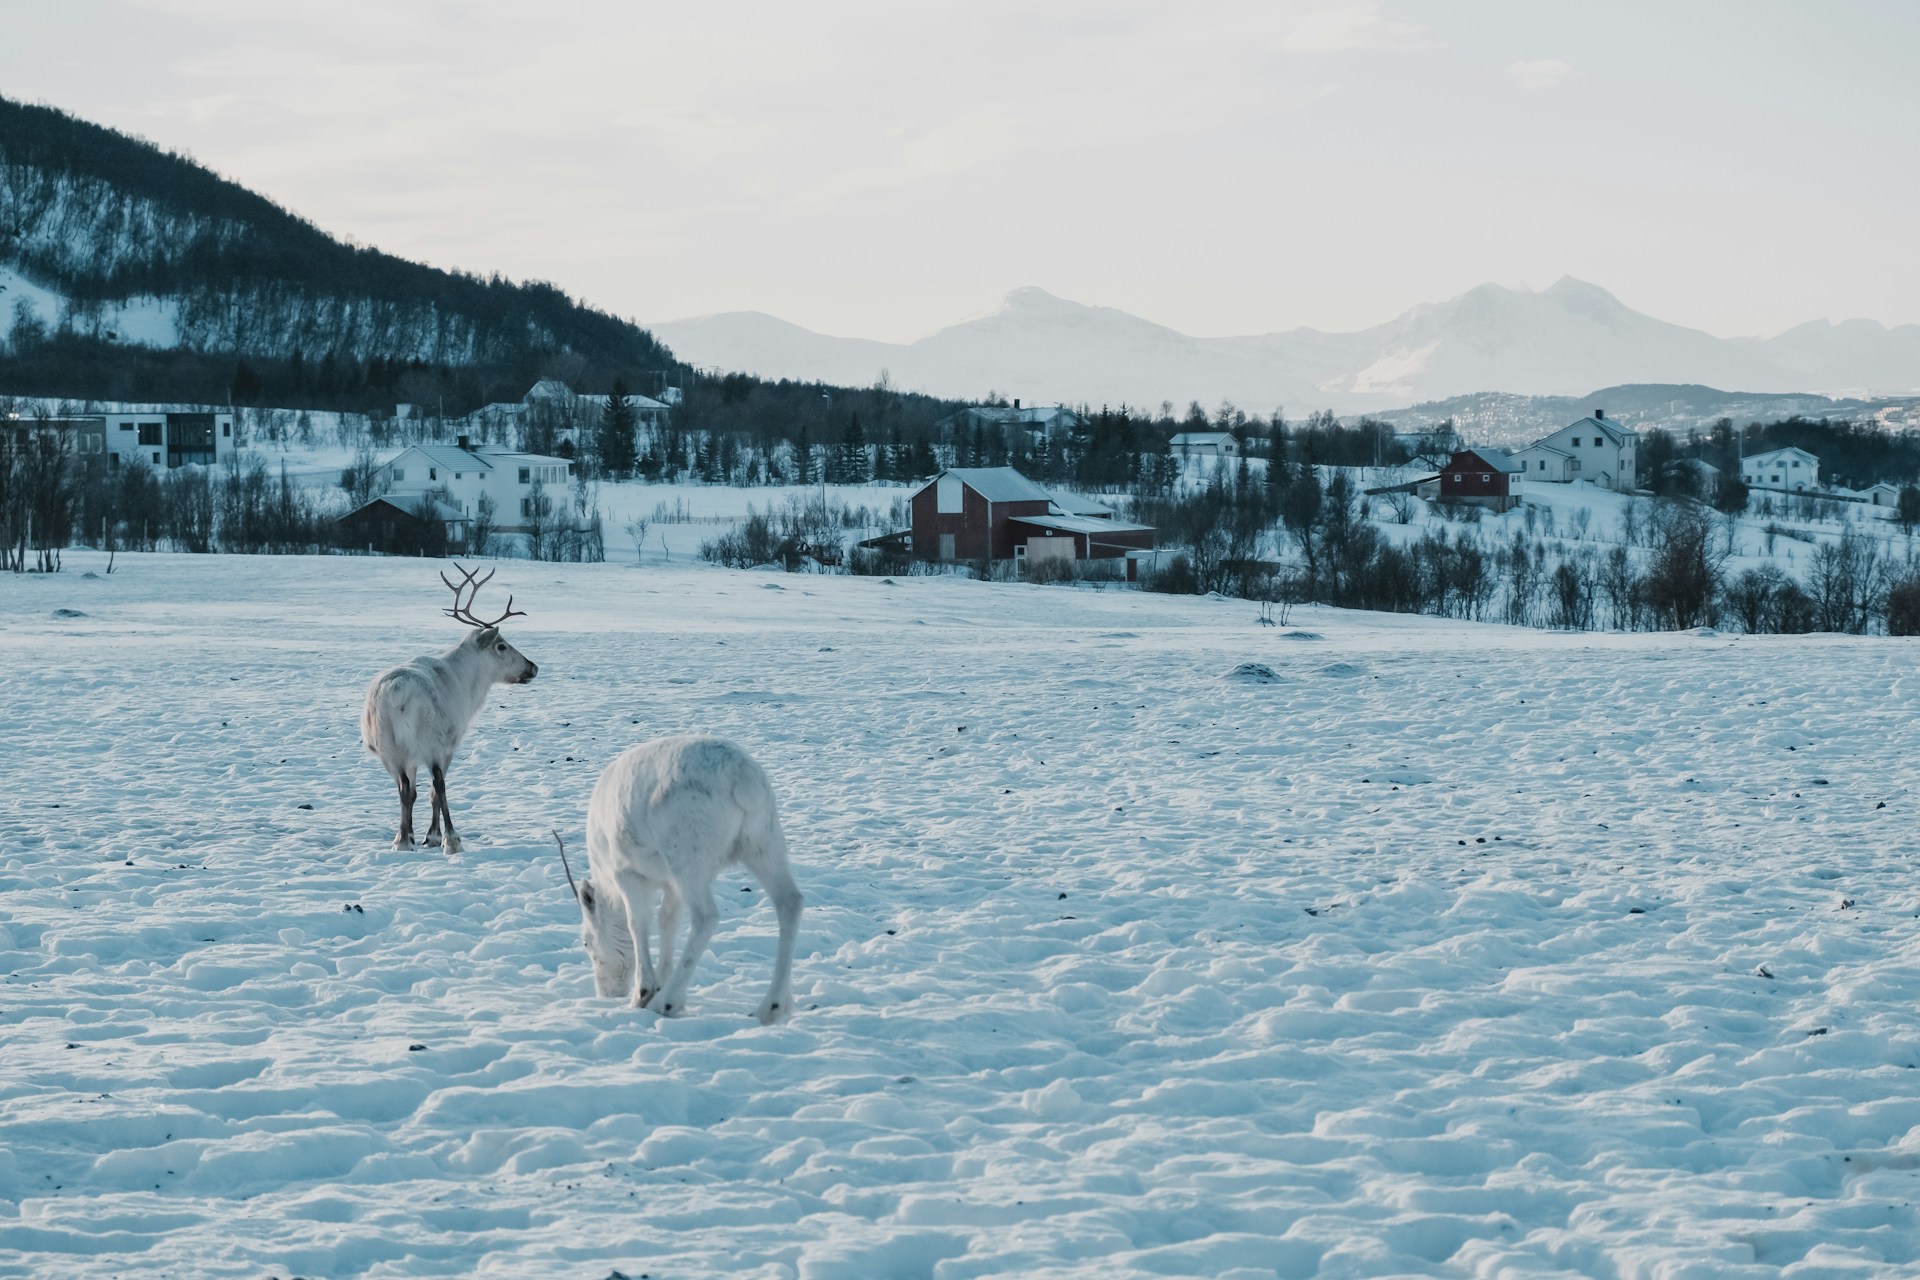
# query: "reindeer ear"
[[485, 636], [586, 895]]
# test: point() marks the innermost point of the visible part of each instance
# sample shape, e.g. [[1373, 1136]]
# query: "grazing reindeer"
[[666, 818], [417, 713]]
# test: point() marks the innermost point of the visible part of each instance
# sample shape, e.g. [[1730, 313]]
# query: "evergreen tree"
[[853, 467], [619, 453]]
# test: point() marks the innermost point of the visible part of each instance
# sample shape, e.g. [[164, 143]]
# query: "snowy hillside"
[[1564, 340], [1440, 950]]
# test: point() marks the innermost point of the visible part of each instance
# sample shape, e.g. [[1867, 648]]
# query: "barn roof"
[[999, 484], [437, 509], [1082, 524], [1496, 459], [1075, 504]]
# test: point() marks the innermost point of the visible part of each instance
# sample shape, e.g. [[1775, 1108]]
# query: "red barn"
[[1481, 476], [995, 513]]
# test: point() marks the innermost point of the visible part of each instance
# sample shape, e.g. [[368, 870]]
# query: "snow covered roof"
[[999, 484], [1074, 504], [1082, 524], [1201, 437], [1619, 433], [548, 389], [1545, 448], [448, 456], [1496, 459], [1031, 413]]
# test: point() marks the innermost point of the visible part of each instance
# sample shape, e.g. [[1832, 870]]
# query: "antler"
[[563, 862], [470, 586]]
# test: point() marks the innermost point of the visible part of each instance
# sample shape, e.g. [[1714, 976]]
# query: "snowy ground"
[[1451, 950]]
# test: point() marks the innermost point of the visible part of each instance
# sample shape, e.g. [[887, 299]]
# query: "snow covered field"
[[1448, 950]]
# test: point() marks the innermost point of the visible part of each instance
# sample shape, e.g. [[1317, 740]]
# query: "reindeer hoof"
[[452, 844], [772, 1011], [403, 842]]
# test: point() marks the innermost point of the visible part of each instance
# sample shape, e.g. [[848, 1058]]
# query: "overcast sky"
[[883, 169]]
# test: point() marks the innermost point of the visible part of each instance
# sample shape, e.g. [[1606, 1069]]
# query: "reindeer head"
[[508, 664], [603, 927]]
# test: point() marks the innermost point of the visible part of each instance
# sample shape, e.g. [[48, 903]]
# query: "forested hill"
[[141, 274]]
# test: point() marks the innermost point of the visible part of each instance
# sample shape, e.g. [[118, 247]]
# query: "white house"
[[1790, 469], [563, 408], [1882, 495], [461, 475], [1595, 449], [163, 438], [1205, 444], [1047, 421]]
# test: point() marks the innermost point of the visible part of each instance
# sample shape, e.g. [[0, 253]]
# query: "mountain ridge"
[[1562, 340]]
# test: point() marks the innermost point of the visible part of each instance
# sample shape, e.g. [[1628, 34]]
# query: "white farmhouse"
[[1595, 449], [461, 475], [1789, 469], [1205, 444]]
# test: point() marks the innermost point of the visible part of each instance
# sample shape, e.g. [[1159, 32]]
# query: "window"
[[156, 457], [526, 475], [1575, 442], [1456, 479], [149, 433], [1542, 466], [1795, 464], [433, 473], [399, 474], [1573, 464], [526, 506], [226, 429], [1486, 479], [126, 426]]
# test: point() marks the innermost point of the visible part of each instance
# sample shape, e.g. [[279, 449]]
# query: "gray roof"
[[1201, 437], [1497, 459], [437, 509], [1083, 524], [452, 457], [1607, 425], [1075, 504], [999, 484]]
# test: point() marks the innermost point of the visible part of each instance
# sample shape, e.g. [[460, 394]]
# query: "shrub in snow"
[[666, 818]]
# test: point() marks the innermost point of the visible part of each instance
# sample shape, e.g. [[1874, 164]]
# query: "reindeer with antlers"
[[417, 713]]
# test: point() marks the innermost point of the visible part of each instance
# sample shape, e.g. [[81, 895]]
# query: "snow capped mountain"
[[1563, 340]]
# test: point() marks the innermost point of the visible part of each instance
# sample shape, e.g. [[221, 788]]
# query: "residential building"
[[163, 438], [1791, 470], [1483, 477], [460, 475], [1045, 422], [1204, 444], [1596, 449], [995, 513], [550, 405]]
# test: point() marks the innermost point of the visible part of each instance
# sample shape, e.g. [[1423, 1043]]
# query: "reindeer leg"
[[441, 813], [405, 839]]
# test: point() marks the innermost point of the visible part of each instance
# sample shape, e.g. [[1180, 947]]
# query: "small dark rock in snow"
[[1636, 911], [1763, 972], [1062, 896], [415, 1048], [68, 613], [1881, 805], [351, 907], [1819, 1031], [303, 806], [1846, 904]]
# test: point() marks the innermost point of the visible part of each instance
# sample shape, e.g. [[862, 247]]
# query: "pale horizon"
[[1227, 169]]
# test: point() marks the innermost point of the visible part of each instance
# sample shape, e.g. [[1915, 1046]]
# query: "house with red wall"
[[1482, 476], [995, 513]]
